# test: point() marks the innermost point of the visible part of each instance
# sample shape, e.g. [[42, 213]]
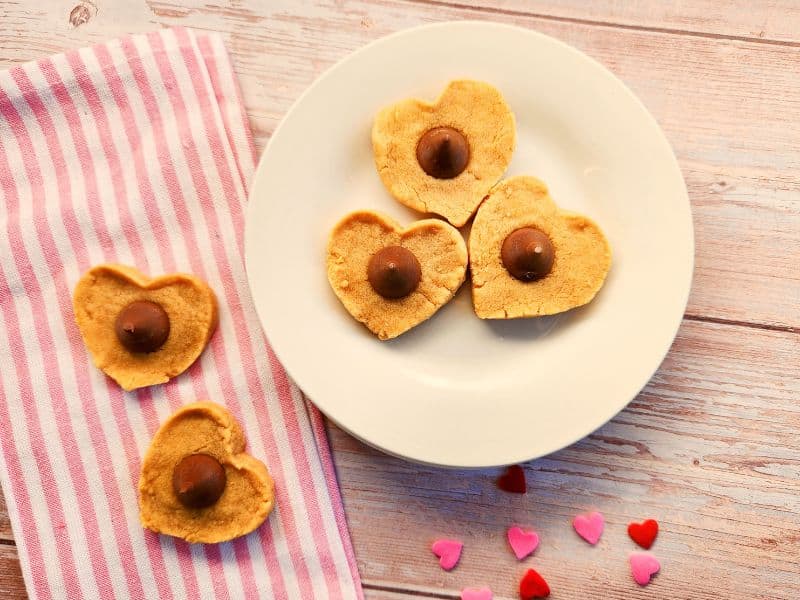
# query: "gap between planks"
[[735, 323], [393, 589], [510, 12]]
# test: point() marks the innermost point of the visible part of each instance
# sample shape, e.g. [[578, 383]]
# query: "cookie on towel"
[[142, 331], [197, 483]]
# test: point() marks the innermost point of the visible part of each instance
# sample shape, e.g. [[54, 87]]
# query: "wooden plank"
[[709, 449], [728, 107], [5, 523], [375, 591], [12, 586], [769, 20]]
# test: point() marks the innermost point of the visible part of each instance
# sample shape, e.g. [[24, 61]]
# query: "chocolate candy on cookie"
[[443, 152], [527, 254], [142, 326], [142, 331], [197, 483], [392, 279], [444, 157], [529, 258], [198, 480], [394, 272]]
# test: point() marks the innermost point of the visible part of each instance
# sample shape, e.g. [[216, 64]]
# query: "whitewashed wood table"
[[711, 448]]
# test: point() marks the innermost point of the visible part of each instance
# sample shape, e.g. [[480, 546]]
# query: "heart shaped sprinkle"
[[533, 585], [643, 567], [483, 593], [523, 542], [513, 480], [645, 533], [589, 526], [448, 551]]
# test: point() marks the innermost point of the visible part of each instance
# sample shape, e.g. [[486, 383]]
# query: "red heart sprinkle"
[[532, 586], [513, 480], [644, 534]]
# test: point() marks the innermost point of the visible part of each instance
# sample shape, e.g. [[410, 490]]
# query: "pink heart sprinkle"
[[589, 526], [483, 593], [643, 567], [448, 551], [523, 543]]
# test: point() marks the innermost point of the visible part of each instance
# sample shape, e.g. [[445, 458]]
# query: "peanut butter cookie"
[[197, 483], [390, 278], [142, 331], [528, 258], [444, 157]]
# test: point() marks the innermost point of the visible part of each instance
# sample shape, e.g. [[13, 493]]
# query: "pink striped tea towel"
[[138, 151]]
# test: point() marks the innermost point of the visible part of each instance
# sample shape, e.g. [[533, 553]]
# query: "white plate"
[[456, 390]]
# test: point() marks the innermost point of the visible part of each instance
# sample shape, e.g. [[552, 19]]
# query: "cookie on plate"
[[444, 157], [390, 278], [528, 258]]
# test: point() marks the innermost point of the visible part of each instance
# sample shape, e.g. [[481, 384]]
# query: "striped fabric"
[[138, 151]]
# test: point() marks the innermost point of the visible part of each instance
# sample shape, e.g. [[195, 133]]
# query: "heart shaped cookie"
[[389, 278], [196, 481], [444, 157], [142, 331], [528, 258]]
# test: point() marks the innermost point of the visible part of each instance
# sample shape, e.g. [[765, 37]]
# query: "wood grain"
[[11, 583], [710, 447], [770, 20]]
